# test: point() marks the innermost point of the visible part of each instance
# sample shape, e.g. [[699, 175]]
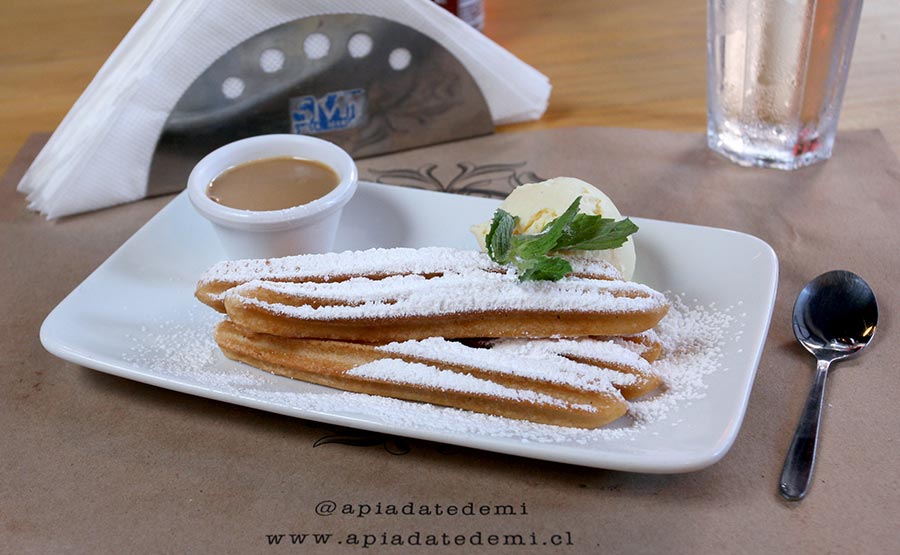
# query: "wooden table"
[[611, 62]]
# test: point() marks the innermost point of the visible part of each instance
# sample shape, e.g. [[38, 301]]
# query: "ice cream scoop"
[[537, 204]]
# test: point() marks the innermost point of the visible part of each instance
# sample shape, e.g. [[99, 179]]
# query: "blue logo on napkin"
[[332, 112]]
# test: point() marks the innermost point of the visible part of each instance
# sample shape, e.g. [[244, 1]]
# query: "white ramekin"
[[308, 228]]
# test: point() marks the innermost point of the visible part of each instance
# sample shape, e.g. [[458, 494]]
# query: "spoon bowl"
[[834, 317]]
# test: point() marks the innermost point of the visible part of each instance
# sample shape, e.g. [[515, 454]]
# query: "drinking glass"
[[776, 71]]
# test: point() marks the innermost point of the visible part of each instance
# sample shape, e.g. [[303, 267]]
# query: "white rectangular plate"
[[136, 317]]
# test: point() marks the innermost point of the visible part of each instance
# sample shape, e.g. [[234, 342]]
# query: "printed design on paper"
[[392, 444], [485, 180]]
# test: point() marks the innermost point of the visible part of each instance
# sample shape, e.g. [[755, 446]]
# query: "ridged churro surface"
[[366, 369], [372, 263], [473, 304]]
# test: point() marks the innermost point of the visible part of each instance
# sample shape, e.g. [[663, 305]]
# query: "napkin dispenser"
[[192, 75], [366, 83]]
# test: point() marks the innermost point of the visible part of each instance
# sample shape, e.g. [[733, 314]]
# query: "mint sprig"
[[498, 241], [531, 254]]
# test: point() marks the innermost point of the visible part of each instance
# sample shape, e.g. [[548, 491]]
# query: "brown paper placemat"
[[92, 463]]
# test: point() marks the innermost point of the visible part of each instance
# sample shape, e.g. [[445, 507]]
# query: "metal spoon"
[[834, 318]]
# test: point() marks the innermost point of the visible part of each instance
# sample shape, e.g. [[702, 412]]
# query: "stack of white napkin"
[[100, 154]]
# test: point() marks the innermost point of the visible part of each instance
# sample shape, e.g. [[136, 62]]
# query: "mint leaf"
[[532, 246], [549, 268], [587, 232], [498, 240], [530, 254]]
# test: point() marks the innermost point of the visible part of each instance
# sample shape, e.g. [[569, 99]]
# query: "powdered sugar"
[[328, 266], [431, 260], [693, 339], [638, 343], [417, 374], [543, 366], [182, 349], [604, 352], [467, 292]]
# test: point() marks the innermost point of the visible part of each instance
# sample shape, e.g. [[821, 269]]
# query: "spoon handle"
[[798, 465]]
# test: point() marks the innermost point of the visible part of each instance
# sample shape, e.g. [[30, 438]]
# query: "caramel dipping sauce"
[[273, 184]]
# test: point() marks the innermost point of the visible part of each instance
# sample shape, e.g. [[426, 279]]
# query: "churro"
[[580, 397], [476, 300], [372, 264]]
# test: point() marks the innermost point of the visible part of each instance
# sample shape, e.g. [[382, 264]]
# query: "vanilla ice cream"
[[537, 204]]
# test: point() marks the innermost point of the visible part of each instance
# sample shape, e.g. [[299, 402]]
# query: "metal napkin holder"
[[368, 84]]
